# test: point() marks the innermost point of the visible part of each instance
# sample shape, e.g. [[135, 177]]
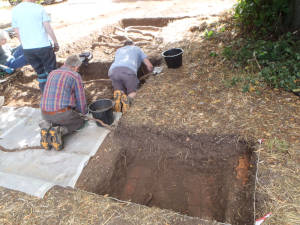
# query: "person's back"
[[63, 90], [129, 56], [32, 26], [28, 17]]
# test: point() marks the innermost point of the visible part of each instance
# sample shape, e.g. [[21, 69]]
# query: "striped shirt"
[[64, 88]]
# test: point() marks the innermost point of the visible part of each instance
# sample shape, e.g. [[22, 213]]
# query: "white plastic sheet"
[[36, 171]]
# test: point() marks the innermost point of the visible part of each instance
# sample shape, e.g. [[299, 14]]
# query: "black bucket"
[[103, 110], [173, 57]]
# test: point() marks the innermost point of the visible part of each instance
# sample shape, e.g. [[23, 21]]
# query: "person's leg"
[[63, 124], [32, 57], [118, 88], [19, 59], [48, 58], [70, 120], [131, 82], [18, 51], [116, 78]]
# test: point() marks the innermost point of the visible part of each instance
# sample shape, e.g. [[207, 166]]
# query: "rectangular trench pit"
[[203, 176]]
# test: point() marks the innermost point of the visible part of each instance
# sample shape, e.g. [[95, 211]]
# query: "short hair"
[[128, 42], [73, 61], [4, 35]]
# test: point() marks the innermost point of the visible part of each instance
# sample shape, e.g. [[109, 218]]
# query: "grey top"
[[128, 56], [5, 54]]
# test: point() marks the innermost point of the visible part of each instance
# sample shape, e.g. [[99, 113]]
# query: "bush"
[[263, 17], [278, 61]]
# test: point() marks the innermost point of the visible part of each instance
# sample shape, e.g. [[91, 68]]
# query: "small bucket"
[[173, 57], [103, 110]]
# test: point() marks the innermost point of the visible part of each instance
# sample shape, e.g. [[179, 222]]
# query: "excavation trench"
[[205, 176], [201, 176]]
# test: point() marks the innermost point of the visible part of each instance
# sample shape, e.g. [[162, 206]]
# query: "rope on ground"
[[97, 120], [20, 149]]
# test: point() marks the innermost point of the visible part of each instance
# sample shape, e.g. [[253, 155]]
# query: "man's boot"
[[45, 136], [117, 100], [45, 139], [56, 138], [125, 100]]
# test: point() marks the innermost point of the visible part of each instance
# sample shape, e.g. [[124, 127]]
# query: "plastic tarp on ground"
[[36, 171]]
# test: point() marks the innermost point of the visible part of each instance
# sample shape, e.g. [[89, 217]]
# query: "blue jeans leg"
[[43, 60], [19, 59], [42, 79]]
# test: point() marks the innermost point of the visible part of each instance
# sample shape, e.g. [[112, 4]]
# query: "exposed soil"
[[202, 176]]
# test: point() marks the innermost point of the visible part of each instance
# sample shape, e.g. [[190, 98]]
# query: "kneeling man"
[[62, 101]]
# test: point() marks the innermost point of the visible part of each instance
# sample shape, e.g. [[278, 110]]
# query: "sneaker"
[[117, 100], [45, 141], [56, 138], [125, 103]]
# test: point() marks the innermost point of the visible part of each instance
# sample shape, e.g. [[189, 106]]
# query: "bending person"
[[62, 101], [123, 73], [10, 59], [32, 26]]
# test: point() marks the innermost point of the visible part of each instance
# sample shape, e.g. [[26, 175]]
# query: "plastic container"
[[173, 57], [103, 110]]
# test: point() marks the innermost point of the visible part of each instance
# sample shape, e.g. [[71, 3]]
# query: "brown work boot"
[[125, 103], [45, 139], [117, 100], [56, 138]]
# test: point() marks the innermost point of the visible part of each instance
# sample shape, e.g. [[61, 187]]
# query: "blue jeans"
[[43, 61], [18, 59]]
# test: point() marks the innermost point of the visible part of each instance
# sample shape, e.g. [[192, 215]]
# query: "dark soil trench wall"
[[202, 176]]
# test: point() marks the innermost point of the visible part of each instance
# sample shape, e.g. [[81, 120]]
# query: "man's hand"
[[148, 64], [56, 47]]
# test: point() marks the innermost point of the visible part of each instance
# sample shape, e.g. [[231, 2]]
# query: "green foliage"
[[213, 54], [209, 34], [278, 61], [262, 17]]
